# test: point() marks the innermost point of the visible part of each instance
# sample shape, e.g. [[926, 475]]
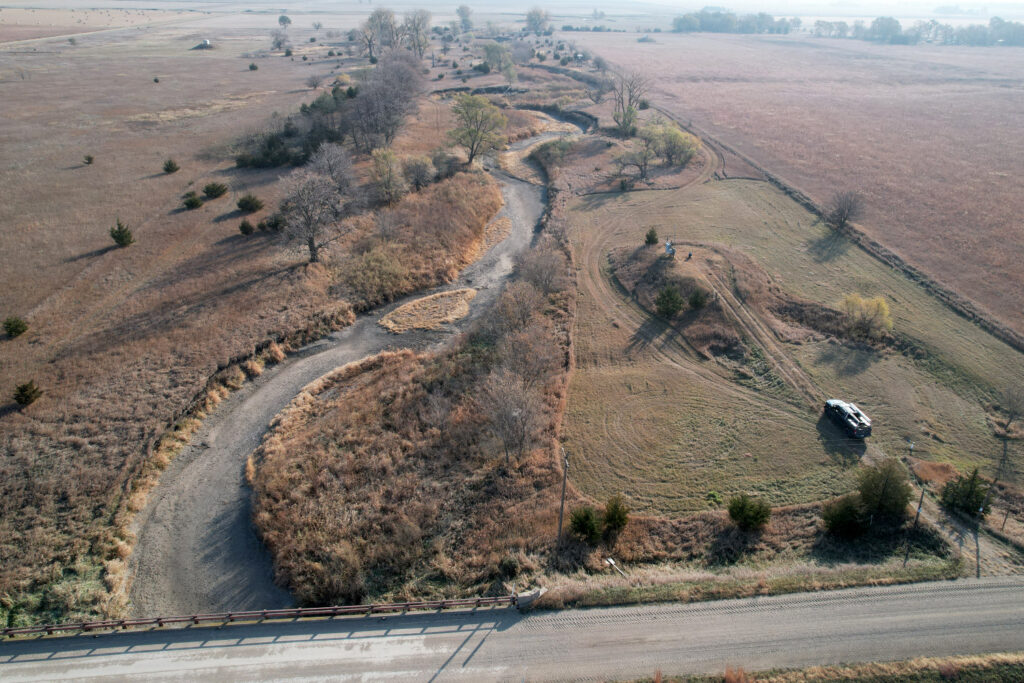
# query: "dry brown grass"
[[430, 312], [808, 110], [130, 345], [381, 481]]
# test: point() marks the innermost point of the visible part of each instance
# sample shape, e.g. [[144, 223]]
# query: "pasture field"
[[650, 418], [928, 134]]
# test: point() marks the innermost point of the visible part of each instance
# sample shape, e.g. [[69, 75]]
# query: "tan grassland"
[[927, 134], [430, 312]]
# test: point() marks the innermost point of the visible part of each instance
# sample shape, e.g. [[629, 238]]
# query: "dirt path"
[[197, 550]]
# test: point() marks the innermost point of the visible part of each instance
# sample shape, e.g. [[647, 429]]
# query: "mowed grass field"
[[649, 419], [929, 134]]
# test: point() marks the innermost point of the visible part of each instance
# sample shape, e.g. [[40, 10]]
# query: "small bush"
[[644, 104], [652, 237], [121, 235], [193, 201], [171, 166], [966, 495], [288, 52], [373, 60], [88, 159], [156, 79], [330, 53], [884, 489], [14, 326], [509, 567], [272, 223], [749, 514], [27, 393], [250, 203], [214, 190], [844, 516], [616, 515], [482, 67], [714, 498], [698, 299], [305, 58], [253, 67], [668, 302], [584, 522], [245, 227]]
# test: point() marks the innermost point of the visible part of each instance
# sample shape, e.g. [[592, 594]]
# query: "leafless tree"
[[628, 90], [278, 39], [544, 269], [516, 306], [532, 353], [314, 81], [416, 31], [843, 208], [388, 224], [512, 410], [537, 19], [310, 205], [381, 25], [333, 161], [465, 17], [388, 96], [317, 26]]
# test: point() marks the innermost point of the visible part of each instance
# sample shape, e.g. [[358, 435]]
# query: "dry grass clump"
[[423, 241], [430, 312]]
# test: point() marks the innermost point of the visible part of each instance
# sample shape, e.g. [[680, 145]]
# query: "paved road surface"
[[967, 616]]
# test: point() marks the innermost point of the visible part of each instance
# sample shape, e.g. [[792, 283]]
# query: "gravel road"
[[861, 624], [197, 550]]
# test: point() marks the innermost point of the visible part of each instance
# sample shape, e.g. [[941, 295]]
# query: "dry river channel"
[[197, 550]]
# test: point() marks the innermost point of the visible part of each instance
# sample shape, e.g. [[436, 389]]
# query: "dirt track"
[[197, 550]]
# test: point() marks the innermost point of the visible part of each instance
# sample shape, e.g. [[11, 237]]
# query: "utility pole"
[[561, 510]]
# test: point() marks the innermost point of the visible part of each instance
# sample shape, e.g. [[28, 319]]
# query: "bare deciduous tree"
[[843, 208], [333, 161], [544, 269], [532, 353], [388, 96], [512, 410], [628, 91], [310, 205], [416, 31], [516, 307], [465, 17], [537, 19], [314, 81]]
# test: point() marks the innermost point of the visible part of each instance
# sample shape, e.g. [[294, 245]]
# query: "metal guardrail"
[[261, 615]]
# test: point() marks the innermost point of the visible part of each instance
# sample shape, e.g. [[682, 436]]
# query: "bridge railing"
[[262, 615]]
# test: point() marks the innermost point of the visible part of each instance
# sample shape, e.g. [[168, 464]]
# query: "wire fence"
[[262, 615]]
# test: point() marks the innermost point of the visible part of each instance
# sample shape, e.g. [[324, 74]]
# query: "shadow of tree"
[[731, 544], [847, 360], [89, 254], [884, 540], [829, 246]]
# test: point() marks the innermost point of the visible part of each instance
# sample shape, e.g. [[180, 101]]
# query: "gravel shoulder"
[[197, 550]]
